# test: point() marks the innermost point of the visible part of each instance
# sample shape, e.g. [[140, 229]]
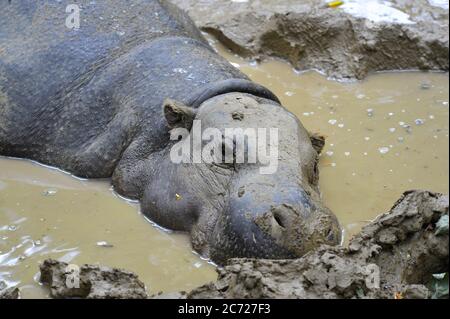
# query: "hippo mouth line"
[[229, 86]]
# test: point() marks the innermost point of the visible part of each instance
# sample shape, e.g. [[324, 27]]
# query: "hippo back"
[[77, 98]]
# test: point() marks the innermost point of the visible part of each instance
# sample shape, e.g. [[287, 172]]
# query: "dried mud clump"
[[90, 281], [393, 257]]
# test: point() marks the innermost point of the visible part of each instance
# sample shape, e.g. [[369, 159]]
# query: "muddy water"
[[384, 135], [46, 213]]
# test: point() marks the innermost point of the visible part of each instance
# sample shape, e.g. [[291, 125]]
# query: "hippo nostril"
[[279, 219]]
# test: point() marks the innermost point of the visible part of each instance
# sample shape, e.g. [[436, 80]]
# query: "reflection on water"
[[45, 213], [384, 135]]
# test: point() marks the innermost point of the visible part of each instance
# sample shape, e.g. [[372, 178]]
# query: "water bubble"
[[347, 153], [369, 112], [289, 93], [50, 192], [197, 264], [400, 139], [425, 85], [360, 96], [383, 150], [367, 138], [431, 117], [333, 164], [419, 121], [332, 121], [330, 153], [341, 125], [392, 129], [407, 128], [104, 244]]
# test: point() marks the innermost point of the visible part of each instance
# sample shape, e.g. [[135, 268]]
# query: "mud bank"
[[90, 281], [8, 292], [347, 42], [393, 257]]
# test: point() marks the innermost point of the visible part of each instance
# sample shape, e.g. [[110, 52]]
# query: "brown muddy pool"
[[385, 135], [45, 213]]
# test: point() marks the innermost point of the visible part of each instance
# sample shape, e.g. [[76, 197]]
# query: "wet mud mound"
[[8, 292], [90, 281], [347, 42], [393, 257]]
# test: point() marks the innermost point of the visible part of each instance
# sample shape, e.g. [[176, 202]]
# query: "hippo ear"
[[177, 114], [317, 141]]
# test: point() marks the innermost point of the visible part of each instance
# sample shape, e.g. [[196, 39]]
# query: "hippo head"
[[234, 205]]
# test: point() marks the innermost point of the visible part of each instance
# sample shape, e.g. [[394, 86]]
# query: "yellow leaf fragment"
[[334, 4]]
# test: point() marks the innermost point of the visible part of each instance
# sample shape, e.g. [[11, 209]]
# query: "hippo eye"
[[228, 151], [228, 154]]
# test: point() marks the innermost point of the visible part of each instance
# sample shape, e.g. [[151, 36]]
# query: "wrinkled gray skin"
[[91, 101]]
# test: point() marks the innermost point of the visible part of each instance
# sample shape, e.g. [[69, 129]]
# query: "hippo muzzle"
[[273, 221]]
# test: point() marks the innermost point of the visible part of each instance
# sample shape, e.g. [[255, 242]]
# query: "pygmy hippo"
[[99, 88]]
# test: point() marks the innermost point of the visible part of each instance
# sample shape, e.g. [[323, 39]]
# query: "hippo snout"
[[296, 233], [263, 222]]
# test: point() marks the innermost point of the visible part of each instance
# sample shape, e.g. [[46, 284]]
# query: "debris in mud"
[[8, 292], [393, 257], [346, 42], [90, 281]]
